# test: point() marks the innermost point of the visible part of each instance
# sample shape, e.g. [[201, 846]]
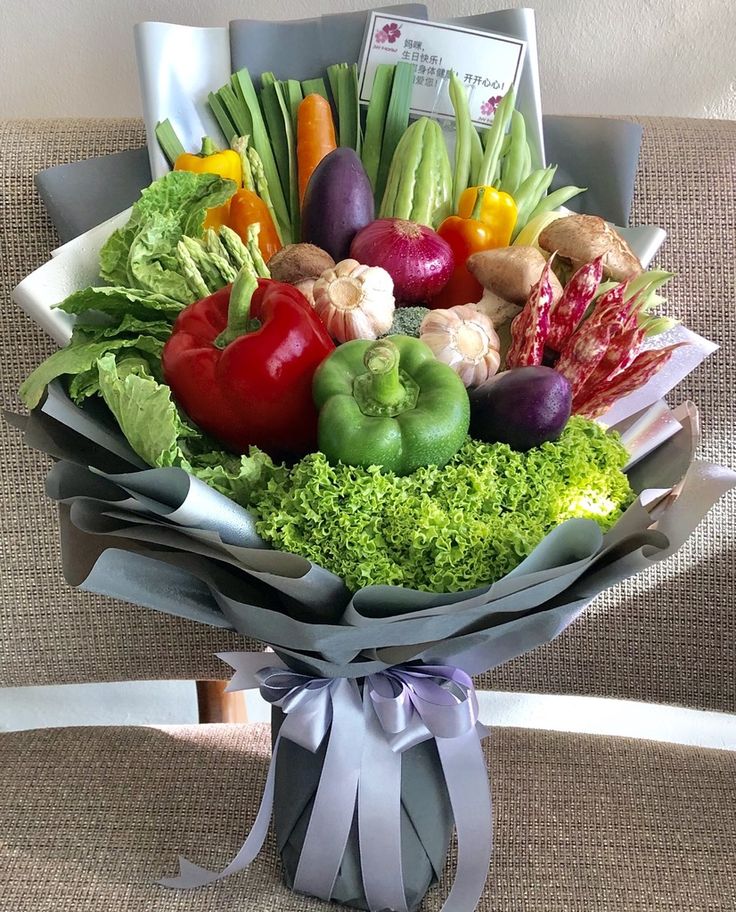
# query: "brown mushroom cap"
[[297, 262], [582, 238], [510, 272]]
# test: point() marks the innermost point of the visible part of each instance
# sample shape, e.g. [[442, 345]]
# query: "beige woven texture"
[[583, 823], [669, 635]]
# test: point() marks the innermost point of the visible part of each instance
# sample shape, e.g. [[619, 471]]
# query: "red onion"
[[418, 260]]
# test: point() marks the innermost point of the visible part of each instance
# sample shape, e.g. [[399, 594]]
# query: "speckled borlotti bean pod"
[[530, 328], [620, 355], [642, 369], [582, 354], [576, 299]]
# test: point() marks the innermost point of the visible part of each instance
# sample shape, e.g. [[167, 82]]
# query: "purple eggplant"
[[523, 407], [338, 202]]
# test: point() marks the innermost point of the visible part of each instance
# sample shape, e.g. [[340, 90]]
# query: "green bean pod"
[[513, 162], [495, 139], [531, 192], [463, 127], [476, 156], [554, 200], [526, 168]]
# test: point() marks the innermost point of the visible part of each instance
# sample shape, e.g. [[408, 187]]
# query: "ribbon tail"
[[334, 802], [379, 817], [466, 775], [191, 875]]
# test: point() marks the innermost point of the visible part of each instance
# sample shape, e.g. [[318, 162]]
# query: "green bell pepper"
[[389, 403]]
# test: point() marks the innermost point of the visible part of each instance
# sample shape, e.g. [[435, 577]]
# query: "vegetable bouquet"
[[347, 393]]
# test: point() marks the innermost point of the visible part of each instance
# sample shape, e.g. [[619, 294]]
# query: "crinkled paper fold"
[[163, 539]]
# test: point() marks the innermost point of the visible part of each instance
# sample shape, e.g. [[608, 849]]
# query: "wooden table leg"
[[217, 706]]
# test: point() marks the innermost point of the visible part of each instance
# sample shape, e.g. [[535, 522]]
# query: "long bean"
[[513, 163], [554, 200], [526, 169], [495, 138], [463, 126], [531, 192], [476, 156]]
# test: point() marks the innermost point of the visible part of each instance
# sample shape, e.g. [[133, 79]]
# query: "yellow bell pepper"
[[497, 210], [210, 160]]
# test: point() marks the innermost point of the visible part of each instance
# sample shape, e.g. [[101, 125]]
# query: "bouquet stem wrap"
[[364, 736]]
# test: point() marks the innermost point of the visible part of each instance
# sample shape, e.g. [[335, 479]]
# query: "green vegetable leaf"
[[97, 326], [159, 434], [148, 268], [143, 409], [87, 384], [78, 358], [182, 193], [241, 478], [84, 385], [118, 301], [114, 255]]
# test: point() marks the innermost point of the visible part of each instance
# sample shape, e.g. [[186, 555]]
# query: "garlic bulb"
[[354, 301], [306, 286], [465, 339]]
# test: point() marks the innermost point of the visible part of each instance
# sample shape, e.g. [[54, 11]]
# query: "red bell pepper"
[[240, 363]]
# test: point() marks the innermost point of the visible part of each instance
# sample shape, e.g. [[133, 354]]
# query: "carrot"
[[315, 137]]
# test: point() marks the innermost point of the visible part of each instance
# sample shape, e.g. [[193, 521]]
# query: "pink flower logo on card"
[[390, 32], [488, 108]]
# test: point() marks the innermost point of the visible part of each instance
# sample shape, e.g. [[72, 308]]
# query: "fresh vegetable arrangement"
[[361, 393], [373, 347]]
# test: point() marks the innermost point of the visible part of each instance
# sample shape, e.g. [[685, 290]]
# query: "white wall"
[[676, 57]]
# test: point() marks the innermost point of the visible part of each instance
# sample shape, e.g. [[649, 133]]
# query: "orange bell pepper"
[[247, 208], [487, 218]]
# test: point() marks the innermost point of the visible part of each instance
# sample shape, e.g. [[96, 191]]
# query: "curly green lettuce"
[[445, 529]]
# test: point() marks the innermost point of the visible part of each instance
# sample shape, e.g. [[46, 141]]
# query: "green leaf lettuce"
[[78, 358], [182, 199], [155, 429]]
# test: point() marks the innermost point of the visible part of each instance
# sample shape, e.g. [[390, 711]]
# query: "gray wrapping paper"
[[599, 154], [426, 818], [158, 537]]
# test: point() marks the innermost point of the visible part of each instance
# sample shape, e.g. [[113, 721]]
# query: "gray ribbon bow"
[[399, 708]]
